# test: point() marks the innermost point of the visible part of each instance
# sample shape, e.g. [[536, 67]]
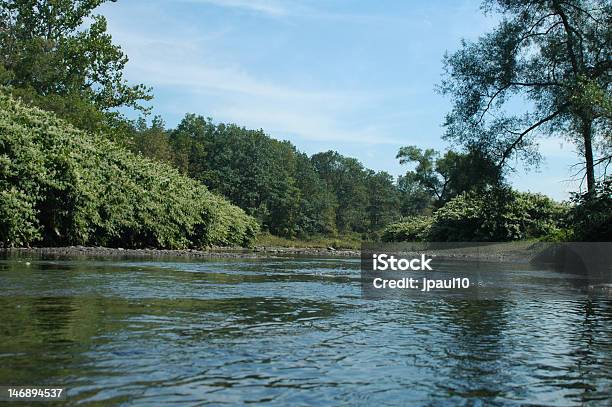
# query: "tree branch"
[[521, 135], [580, 9], [570, 38], [506, 87]]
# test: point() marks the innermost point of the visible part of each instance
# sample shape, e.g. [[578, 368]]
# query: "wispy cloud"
[[293, 8], [351, 76], [267, 7], [230, 92]]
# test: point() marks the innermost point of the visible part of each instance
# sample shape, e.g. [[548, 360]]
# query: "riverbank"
[[512, 252], [256, 252], [340, 242], [578, 258]]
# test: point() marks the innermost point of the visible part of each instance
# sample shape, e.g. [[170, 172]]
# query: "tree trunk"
[[588, 153]]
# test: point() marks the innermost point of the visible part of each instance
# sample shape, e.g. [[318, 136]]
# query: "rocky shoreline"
[[516, 252], [508, 252], [256, 252]]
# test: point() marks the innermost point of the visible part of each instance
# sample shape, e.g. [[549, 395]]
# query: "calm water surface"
[[294, 332]]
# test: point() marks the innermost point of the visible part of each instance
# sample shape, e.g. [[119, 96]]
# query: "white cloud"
[[294, 8], [267, 7], [229, 92], [307, 123]]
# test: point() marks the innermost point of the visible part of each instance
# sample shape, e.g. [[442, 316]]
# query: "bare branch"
[[522, 135]]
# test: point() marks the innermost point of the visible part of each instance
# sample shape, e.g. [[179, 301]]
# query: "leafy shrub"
[[412, 229], [591, 217], [62, 186], [498, 214], [18, 218]]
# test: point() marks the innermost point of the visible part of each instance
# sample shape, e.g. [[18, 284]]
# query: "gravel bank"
[[257, 252]]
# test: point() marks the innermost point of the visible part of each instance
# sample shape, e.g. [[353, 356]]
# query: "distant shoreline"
[[222, 252], [584, 258], [512, 252]]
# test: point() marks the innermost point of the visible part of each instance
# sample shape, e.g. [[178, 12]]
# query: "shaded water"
[[294, 332]]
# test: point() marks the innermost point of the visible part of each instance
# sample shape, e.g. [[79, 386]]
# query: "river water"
[[291, 332]]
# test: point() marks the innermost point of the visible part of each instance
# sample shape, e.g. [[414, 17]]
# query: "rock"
[[601, 288]]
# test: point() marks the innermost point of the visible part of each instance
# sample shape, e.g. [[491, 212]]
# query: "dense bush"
[[408, 230], [498, 214], [591, 217], [60, 186]]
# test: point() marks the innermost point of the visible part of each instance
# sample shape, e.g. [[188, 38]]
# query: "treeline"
[[450, 196], [290, 193], [60, 185]]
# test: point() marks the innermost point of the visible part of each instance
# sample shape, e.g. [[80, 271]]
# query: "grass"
[[352, 242]]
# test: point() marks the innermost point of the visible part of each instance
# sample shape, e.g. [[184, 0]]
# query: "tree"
[[443, 178], [50, 58], [152, 142], [414, 198], [552, 56], [251, 169], [190, 143], [346, 177], [425, 172], [317, 213], [383, 205], [469, 171]]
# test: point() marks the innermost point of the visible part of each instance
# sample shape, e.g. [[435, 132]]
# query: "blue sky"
[[353, 76]]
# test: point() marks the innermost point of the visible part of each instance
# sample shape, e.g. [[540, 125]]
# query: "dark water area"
[[295, 332]]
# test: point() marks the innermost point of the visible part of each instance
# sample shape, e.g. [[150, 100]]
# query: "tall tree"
[[346, 177], [317, 213], [251, 169], [152, 142], [448, 176], [552, 56], [57, 52], [383, 206]]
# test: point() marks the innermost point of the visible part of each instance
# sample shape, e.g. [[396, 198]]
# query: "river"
[[294, 331]]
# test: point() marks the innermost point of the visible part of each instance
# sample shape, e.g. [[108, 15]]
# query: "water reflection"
[[294, 332]]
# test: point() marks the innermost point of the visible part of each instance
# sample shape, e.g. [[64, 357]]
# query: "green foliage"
[[425, 171], [413, 229], [291, 194], [415, 200], [62, 186], [37, 37], [383, 200], [318, 204], [497, 214], [251, 169], [435, 180], [469, 171], [553, 58], [591, 217], [346, 177], [152, 142], [58, 55], [366, 200], [19, 225]]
